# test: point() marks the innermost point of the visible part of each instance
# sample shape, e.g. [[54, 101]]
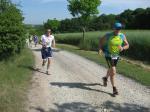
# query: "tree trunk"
[[83, 28]]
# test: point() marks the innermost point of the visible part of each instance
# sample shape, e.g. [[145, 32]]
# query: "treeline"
[[131, 19], [137, 19], [12, 33]]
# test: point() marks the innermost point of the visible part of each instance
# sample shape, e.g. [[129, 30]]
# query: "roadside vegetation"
[[139, 50], [15, 76], [125, 68], [138, 39], [15, 59]]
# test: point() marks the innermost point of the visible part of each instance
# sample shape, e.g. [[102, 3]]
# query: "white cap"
[[48, 30]]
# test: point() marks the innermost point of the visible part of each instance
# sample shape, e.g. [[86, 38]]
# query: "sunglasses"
[[117, 28]]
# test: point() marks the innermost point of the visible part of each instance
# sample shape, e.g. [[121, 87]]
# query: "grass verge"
[[14, 80], [135, 72]]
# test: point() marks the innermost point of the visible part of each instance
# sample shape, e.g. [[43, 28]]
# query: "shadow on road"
[[38, 109], [70, 107], [125, 107], [85, 107], [84, 86], [32, 69]]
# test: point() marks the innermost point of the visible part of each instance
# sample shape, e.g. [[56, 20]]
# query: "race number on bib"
[[114, 57]]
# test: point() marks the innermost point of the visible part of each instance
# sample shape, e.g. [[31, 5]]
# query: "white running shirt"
[[47, 40]]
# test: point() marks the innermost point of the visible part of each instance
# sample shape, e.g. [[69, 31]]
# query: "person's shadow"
[[85, 107], [33, 69], [70, 107], [84, 86]]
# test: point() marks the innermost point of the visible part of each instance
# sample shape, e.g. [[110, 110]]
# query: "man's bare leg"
[[48, 65], [112, 79], [43, 63], [106, 77]]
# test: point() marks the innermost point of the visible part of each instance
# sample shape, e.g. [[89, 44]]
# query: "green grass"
[[131, 34], [135, 72], [14, 80], [138, 39]]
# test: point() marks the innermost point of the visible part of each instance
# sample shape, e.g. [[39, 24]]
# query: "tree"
[[4, 4], [12, 35], [70, 25], [83, 9], [53, 24], [135, 19], [127, 18]]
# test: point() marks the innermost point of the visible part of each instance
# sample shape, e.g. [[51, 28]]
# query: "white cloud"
[[39, 1], [16, 1], [117, 6], [124, 3], [47, 1], [52, 0]]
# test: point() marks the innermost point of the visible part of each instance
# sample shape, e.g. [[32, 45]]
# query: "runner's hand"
[[100, 52], [44, 45], [120, 48]]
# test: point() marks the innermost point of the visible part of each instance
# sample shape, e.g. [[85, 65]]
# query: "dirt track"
[[75, 85]]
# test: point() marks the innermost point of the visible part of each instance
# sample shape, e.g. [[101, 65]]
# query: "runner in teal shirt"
[[111, 45]]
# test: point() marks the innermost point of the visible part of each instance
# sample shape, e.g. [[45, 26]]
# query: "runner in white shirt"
[[48, 42]]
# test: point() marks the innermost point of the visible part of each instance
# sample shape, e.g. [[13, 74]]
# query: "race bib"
[[114, 57]]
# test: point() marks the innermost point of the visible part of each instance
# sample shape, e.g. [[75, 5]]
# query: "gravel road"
[[75, 85]]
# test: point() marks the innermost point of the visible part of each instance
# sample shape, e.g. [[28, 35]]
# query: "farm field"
[[139, 41]]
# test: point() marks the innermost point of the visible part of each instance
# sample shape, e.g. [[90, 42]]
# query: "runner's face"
[[117, 31], [48, 33]]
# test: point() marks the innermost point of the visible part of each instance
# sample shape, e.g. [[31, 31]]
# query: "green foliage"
[[52, 24], [83, 9], [4, 4], [135, 19], [138, 40], [12, 32], [131, 19], [89, 44], [139, 44], [70, 25], [102, 22], [34, 29], [39, 29], [15, 76], [30, 29], [68, 38], [124, 68]]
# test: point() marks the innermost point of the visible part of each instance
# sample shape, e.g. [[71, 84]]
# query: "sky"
[[38, 11]]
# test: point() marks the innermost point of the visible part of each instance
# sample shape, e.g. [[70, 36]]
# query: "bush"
[[12, 32]]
